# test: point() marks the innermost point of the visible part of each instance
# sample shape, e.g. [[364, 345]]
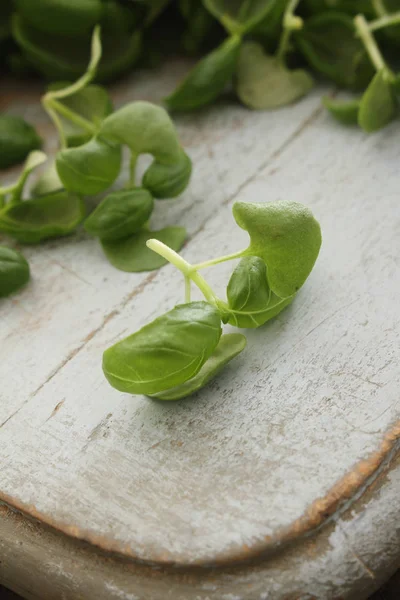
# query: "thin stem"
[[186, 268], [290, 23], [385, 21], [217, 261], [95, 56], [72, 116], [369, 42], [132, 170], [379, 8], [188, 289], [57, 122]]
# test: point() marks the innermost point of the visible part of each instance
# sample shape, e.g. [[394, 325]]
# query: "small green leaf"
[[17, 139], [208, 79], [50, 216], [229, 346], [59, 16], [48, 182], [91, 168], [256, 318], [146, 129], [166, 352], [93, 103], [168, 181], [120, 214], [286, 236], [329, 44], [344, 111], [132, 255], [240, 16], [14, 271], [263, 82], [378, 104]]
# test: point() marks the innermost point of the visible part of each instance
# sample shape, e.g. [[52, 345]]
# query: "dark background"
[[390, 591]]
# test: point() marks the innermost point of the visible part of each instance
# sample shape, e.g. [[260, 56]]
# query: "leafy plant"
[[14, 271], [17, 139], [179, 352]]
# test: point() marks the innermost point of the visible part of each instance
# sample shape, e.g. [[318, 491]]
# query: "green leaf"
[[120, 214], [48, 182], [50, 216], [378, 104], [251, 303], [208, 79], [229, 346], [286, 236], [166, 352], [146, 129], [329, 44], [344, 111], [132, 255], [65, 57], [93, 103], [239, 16], [14, 271], [263, 82], [91, 168], [17, 139], [168, 181], [61, 17], [34, 160], [351, 7], [199, 25]]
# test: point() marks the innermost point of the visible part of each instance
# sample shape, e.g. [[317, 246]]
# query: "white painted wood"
[[313, 395]]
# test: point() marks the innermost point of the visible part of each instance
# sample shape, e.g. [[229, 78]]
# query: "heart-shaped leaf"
[[344, 111], [229, 346], [120, 214], [166, 352], [378, 105], [14, 271], [146, 129], [286, 236], [263, 82], [329, 44], [17, 139], [208, 79], [132, 255], [91, 168], [50, 216]]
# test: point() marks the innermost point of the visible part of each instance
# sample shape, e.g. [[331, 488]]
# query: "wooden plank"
[[295, 427], [349, 559]]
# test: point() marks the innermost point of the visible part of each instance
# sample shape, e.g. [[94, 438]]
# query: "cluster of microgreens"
[[87, 164], [181, 351], [333, 40]]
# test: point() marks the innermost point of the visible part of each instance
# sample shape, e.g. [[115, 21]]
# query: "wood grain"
[[291, 433]]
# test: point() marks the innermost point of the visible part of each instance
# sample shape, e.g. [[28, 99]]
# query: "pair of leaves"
[[174, 355], [147, 129], [329, 44], [240, 16], [264, 82], [374, 110], [14, 271], [17, 139]]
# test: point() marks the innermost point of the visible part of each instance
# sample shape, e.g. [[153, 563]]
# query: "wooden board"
[[293, 430]]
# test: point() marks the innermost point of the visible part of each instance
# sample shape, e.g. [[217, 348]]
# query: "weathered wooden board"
[[293, 428]]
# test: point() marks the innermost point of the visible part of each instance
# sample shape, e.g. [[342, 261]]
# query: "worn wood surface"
[[291, 432]]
